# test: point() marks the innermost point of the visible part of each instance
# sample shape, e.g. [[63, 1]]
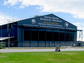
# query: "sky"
[[69, 10]]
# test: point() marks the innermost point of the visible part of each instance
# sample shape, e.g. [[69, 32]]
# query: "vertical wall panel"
[[33, 43], [26, 44], [41, 43]]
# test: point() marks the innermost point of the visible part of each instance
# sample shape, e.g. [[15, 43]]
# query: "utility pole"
[[8, 27], [1, 33]]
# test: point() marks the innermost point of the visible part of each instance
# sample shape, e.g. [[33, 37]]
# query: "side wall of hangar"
[[42, 31]]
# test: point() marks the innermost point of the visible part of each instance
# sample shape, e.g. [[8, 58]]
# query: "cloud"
[[79, 27], [11, 2], [77, 24], [6, 19], [3, 19], [74, 7]]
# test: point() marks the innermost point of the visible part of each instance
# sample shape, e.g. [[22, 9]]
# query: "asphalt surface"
[[36, 50]]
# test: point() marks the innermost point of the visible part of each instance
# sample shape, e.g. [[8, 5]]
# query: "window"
[[72, 37], [67, 36], [49, 36], [41, 35], [62, 37], [26, 35], [55, 36], [34, 35]]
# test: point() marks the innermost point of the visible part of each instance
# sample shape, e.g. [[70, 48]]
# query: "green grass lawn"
[[43, 57]]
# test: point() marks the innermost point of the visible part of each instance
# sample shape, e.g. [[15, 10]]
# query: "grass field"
[[43, 57]]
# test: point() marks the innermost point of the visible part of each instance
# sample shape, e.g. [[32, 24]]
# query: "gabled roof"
[[48, 21], [45, 21]]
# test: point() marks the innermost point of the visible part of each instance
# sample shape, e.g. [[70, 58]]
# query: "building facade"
[[40, 31]]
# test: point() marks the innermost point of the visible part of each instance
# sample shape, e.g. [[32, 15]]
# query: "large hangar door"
[[42, 37], [26, 42], [34, 37], [30, 37], [48, 37]]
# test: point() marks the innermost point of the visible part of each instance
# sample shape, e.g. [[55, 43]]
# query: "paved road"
[[37, 50]]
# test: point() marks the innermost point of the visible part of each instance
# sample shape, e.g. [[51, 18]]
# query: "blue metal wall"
[[12, 30]]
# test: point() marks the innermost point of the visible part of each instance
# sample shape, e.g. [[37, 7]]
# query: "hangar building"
[[40, 31]]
